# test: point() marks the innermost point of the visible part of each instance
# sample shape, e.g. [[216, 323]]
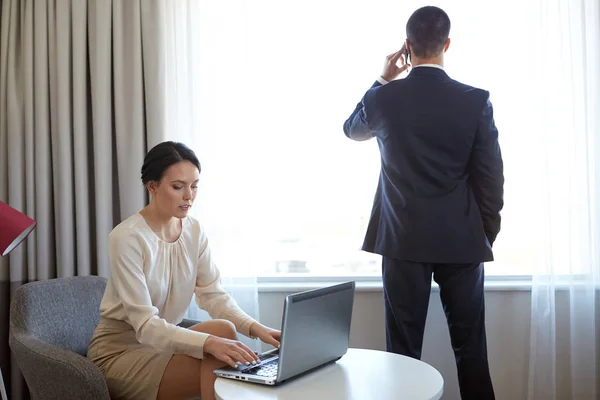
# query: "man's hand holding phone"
[[391, 70]]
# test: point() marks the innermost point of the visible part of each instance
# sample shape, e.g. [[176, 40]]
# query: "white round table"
[[360, 374]]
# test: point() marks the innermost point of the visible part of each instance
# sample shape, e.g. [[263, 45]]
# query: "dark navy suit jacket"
[[440, 189]]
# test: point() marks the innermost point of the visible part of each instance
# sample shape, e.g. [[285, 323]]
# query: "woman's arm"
[[210, 295]]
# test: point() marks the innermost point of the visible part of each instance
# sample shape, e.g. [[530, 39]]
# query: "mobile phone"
[[406, 55]]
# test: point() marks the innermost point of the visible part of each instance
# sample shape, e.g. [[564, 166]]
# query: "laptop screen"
[[315, 328]]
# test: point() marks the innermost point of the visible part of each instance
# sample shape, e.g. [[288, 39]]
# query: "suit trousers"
[[407, 288]]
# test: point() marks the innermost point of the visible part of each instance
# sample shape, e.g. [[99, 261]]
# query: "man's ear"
[[447, 45], [408, 47]]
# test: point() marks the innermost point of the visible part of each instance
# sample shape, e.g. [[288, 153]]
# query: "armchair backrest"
[[51, 324], [61, 312]]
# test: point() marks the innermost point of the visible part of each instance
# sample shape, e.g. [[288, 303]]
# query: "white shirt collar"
[[429, 65], [384, 82]]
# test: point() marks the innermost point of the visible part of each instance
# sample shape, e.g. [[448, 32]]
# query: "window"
[[274, 83]]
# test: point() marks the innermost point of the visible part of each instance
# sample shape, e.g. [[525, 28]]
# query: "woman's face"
[[176, 191]]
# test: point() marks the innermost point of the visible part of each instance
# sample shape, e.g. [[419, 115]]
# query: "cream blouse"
[[152, 282]]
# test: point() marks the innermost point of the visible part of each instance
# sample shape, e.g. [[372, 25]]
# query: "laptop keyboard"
[[263, 357], [267, 370]]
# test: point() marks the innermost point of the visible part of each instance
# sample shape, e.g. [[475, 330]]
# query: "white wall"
[[507, 317]]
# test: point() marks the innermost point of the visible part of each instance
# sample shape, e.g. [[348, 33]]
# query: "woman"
[[159, 258]]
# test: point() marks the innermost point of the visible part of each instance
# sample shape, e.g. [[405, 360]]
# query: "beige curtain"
[[81, 101]]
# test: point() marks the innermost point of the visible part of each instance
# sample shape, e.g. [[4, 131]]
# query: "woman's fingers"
[[249, 354], [272, 341], [239, 352], [227, 359]]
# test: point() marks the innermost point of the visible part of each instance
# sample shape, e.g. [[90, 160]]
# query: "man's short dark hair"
[[427, 31]]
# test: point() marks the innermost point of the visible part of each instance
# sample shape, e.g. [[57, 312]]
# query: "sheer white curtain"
[[565, 317], [260, 90], [203, 51]]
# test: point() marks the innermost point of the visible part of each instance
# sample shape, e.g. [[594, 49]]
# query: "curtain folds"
[[81, 100]]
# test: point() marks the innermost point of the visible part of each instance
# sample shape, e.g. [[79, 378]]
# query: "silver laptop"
[[315, 331]]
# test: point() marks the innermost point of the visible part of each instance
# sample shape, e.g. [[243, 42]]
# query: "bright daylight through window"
[[274, 83]]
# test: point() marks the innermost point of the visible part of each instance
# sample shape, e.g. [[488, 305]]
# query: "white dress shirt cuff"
[[382, 81], [189, 342]]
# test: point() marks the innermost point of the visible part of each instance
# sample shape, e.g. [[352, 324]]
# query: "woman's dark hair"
[[427, 31], [162, 156]]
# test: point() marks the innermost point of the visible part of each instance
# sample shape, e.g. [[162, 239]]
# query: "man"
[[437, 206]]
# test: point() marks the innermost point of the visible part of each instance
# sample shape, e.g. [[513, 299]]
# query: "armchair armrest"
[[53, 373], [187, 323]]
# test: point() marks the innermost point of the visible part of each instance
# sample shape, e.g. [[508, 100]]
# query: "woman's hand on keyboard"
[[265, 334], [230, 351]]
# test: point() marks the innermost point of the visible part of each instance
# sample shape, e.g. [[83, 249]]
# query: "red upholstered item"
[[14, 227]]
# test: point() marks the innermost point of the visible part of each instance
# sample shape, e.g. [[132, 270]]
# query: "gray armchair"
[[51, 324]]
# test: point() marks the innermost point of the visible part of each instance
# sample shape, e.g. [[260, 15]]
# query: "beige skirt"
[[132, 370]]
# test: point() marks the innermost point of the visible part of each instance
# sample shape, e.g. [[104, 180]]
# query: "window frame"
[[284, 283]]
